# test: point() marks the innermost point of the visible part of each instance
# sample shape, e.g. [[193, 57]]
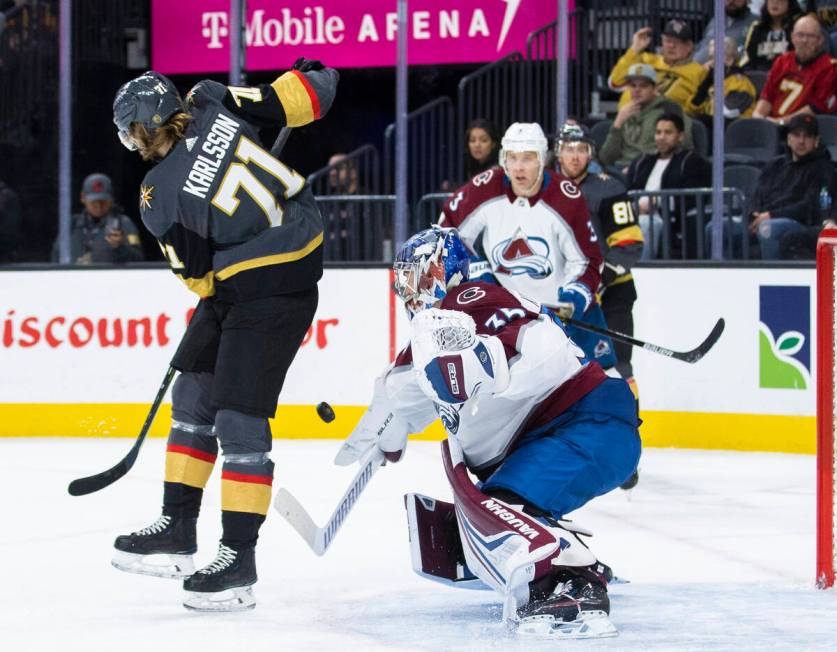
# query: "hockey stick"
[[319, 538], [686, 356], [91, 483]]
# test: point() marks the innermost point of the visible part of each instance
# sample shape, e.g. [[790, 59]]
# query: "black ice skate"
[[577, 608], [226, 584], [163, 549], [631, 482]]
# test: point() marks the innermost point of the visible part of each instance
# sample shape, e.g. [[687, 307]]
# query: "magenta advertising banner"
[[192, 36]]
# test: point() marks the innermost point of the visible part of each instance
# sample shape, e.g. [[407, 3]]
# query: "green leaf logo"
[[777, 369]]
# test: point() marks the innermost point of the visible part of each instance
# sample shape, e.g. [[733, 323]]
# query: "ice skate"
[[225, 584], [163, 549], [631, 482], [577, 608]]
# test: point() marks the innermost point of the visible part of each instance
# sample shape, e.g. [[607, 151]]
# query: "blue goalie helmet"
[[150, 100], [428, 265]]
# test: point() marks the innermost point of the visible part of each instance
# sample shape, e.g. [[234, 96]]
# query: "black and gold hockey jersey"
[[618, 232], [233, 221]]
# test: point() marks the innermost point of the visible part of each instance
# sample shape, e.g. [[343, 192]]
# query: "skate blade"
[[589, 624], [238, 599], [159, 565]]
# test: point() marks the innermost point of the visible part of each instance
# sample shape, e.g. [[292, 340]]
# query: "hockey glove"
[[306, 65], [570, 302], [379, 426]]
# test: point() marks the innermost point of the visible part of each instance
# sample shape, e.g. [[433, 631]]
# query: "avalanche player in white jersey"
[[529, 229], [543, 428]]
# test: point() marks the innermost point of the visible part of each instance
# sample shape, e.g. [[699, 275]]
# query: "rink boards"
[[84, 351]]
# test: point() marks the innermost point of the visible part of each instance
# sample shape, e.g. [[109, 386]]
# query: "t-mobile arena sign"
[[192, 36]]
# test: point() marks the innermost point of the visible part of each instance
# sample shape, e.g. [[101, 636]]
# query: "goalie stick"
[[686, 356], [319, 538], [93, 483]]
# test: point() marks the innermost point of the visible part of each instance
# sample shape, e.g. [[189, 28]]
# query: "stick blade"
[[696, 354], [294, 513], [93, 483]]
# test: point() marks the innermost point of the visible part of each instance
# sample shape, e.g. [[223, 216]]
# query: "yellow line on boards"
[[745, 432]]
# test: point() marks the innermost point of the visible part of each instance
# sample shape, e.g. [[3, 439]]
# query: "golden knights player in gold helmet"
[[242, 230]]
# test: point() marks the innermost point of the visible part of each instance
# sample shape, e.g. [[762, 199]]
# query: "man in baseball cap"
[[677, 76], [642, 71], [100, 233], [679, 29], [633, 129], [794, 194], [805, 123], [97, 187]]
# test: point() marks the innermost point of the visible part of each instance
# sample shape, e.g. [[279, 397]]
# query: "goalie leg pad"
[[435, 546], [506, 548]]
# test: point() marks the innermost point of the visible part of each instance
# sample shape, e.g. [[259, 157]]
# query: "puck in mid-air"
[[326, 412]]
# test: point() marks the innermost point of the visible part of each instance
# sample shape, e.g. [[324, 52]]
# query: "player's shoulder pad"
[[481, 188], [204, 92], [474, 297], [561, 190], [152, 201]]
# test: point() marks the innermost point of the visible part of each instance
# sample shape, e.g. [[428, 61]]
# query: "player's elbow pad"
[[455, 377]]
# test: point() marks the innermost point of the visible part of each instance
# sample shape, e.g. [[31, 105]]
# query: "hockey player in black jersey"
[[619, 236], [242, 230]]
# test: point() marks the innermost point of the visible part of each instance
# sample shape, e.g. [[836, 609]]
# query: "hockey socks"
[[191, 452], [245, 498]]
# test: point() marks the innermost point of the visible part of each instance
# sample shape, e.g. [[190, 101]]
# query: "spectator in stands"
[[737, 21], [800, 81], [770, 36], [739, 92], [343, 176], [11, 222], [482, 147], [787, 198], [671, 166], [101, 233], [633, 129], [826, 13], [677, 75], [344, 219]]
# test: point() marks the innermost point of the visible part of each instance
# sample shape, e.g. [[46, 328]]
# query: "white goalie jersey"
[[489, 365]]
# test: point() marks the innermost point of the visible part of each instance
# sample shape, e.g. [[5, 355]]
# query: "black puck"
[[326, 412]]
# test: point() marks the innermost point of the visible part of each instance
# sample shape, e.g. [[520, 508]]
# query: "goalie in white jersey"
[[529, 230], [542, 427]]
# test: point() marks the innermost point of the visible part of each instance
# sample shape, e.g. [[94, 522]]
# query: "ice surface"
[[718, 547]]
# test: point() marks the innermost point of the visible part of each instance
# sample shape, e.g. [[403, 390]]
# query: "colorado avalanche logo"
[[522, 255], [570, 189], [449, 414]]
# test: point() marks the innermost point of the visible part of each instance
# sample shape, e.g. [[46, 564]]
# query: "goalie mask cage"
[[826, 408]]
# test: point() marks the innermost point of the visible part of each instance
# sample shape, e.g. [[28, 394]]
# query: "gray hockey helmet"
[[150, 100]]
